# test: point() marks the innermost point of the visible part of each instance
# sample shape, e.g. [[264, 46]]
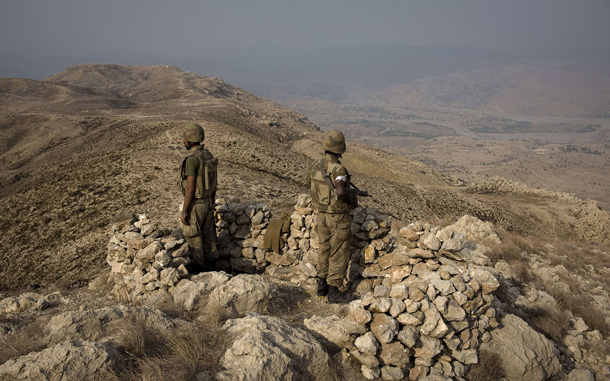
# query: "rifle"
[[354, 192]]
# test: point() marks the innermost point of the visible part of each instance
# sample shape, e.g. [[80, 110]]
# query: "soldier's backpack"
[[207, 176], [322, 189]]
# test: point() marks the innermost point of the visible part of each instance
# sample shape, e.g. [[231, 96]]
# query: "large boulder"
[[334, 330], [476, 230], [188, 293], [526, 354], [581, 375], [28, 301], [101, 324], [68, 360], [267, 348], [242, 294]]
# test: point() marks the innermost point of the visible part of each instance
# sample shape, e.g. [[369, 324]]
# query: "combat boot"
[[337, 297], [322, 287]]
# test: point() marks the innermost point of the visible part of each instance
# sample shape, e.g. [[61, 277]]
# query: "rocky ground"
[[435, 303], [96, 143]]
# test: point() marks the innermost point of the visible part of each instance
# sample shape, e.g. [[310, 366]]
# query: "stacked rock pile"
[[426, 297], [370, 229], [431, 322], [144, 258], [241, 227], [425, 307]]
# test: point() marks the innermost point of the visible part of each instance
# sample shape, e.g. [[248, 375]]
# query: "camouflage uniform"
[[200, 234], [334, 220]]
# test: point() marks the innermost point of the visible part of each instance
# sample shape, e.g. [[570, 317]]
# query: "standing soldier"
[[197, 181], [328, 180]]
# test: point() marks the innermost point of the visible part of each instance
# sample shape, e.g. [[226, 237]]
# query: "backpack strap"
[[327, 180]]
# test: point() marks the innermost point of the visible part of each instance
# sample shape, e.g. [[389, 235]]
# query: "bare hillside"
[[97, 141], [536, 88]]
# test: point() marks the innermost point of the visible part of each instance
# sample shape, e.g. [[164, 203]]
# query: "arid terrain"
[[468, 113], [561, 153], [93, 143], [105, 140]]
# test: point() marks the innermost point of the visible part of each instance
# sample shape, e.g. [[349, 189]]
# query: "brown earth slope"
[[95, 141]]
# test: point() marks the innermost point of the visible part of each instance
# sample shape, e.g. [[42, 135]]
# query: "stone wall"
[[425, 296], [144, 258], [241, 228]]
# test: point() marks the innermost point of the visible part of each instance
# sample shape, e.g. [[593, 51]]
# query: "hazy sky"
[[198, 28]]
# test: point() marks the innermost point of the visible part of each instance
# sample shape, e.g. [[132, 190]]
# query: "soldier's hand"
[[183, 218]]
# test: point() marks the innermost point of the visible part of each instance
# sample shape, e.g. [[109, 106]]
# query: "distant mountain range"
[[533, 88], [431, 76]]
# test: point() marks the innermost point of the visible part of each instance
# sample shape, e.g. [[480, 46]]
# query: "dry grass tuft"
[[582, 305], [442, 220], [138, 339], [506, 251], [588, 261], [175, 311], [521, 243], [198, 348], [551, 322], [21, 343], [599, 346], [172, 356], [521, 270], [488, 368], [339, 369], [512, 250], [151, 370]]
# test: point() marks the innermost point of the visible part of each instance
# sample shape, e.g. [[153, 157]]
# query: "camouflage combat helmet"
[[193, 133], [334, 142]]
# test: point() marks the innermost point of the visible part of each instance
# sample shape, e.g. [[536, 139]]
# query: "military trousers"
[[200, 234], [334, 247]]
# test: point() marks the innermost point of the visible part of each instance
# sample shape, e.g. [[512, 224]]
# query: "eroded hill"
[[97, 141]]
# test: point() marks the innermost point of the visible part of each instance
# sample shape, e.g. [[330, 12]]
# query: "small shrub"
[[139, 340], [171, 356], [521, 270], [488, 368], [511, 251], [582, 305], [551, 322]]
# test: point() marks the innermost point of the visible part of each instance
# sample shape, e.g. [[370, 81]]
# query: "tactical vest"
[[206, 173], [322, 190]]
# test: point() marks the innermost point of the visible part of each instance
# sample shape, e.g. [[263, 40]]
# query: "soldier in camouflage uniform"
[[197, 182], [328, 179]]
